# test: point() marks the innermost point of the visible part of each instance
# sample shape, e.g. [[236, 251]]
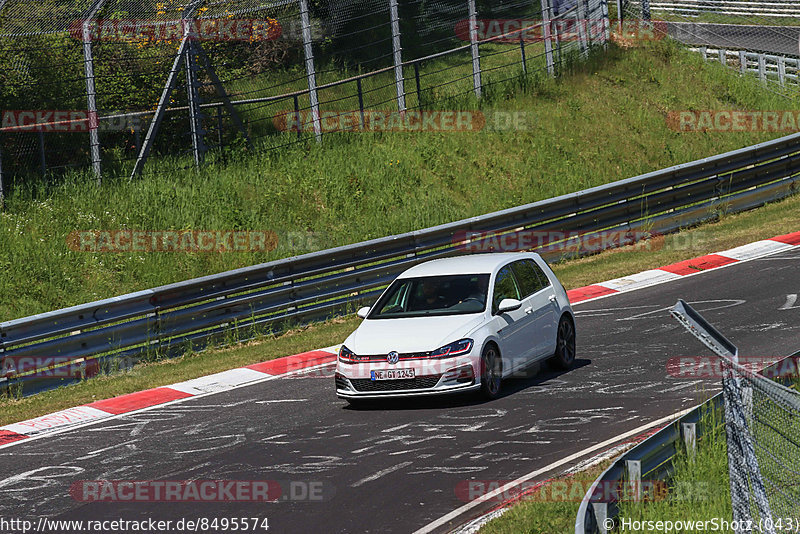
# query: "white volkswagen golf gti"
[[458, 324]]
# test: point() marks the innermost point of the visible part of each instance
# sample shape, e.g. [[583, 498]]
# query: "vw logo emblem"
[[393, 357]]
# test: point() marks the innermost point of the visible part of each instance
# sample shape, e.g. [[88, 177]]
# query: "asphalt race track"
[[771, 39], [395, 468]]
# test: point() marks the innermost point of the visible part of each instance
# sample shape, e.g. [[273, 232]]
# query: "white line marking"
[[470, 505], [379, 474], [790, 300]]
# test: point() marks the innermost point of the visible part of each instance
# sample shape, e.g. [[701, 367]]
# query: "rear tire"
[[564, 356], [491, 372]]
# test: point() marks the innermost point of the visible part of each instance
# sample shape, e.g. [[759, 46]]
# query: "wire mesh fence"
[[107, 84], [762, 427], [761, 38]]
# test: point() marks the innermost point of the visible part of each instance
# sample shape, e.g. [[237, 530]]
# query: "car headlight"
[[347, 355], [462, 346]]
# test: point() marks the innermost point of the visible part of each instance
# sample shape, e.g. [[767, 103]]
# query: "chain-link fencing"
[[762, 426], [107, 84], [761, 38]]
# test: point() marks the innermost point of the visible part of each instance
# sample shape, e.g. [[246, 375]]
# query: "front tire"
[[564, 356], [491, 372]]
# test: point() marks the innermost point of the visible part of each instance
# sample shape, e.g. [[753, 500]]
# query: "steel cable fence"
[[105, 84]]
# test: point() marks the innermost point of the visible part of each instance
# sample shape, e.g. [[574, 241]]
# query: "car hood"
[[410, 334]]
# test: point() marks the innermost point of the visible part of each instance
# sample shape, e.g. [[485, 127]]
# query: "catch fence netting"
[[763, 435], [108, 84], [762, 428], [758, 38]]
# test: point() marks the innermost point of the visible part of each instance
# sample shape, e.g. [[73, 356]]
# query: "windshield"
[[433, 295]]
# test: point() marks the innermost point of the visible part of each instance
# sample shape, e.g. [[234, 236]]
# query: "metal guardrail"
[[651, 459], [764, 8], [784, 70], [241, 304]]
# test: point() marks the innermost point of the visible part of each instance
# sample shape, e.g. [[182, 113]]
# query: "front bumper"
[[458, 375]]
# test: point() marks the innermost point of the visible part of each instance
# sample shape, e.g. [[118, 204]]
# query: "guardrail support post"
[[548, 37], [689, 431], [473, 39], [397, 51], [600, 510], [633, 470], [311, 74]]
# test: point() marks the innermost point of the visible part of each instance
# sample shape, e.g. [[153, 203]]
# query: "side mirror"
[[507, 305], [362, 312]]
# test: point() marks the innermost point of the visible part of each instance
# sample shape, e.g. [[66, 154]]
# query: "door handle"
[[528, 310], [553, 299]]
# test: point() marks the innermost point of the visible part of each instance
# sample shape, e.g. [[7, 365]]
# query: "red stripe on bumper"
[[698, 264], [7, 436], [588, 292], [139, 400], [293, 363], [789, 239]]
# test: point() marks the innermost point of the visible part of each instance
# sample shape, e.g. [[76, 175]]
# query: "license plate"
[[392, 374]]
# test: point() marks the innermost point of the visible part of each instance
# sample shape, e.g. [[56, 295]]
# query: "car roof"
[[486, 263]]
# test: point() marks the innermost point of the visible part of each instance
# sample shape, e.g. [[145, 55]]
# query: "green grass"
[[549, 509], [698, 489], [603, 122]]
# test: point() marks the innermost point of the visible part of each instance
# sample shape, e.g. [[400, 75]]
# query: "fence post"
[[548, 38], [163, 100], [2, 193], [219, 126], [722, 57], [311, 74], [743, 61], [606, 22], [762, 68], [297, 116], [646, 10], [419, 84], [42, 157], [782, 70], [398, 56], [473, 40], [522, 53], [198, 148], [360, 104], [91, 94], [580, 16]]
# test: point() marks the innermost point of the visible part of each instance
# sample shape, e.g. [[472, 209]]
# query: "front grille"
[[341, 383], [420, 382], [382, 357]]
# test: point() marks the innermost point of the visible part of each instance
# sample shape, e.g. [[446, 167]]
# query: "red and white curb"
[[225, 381], [133, 402], [684, 268]]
